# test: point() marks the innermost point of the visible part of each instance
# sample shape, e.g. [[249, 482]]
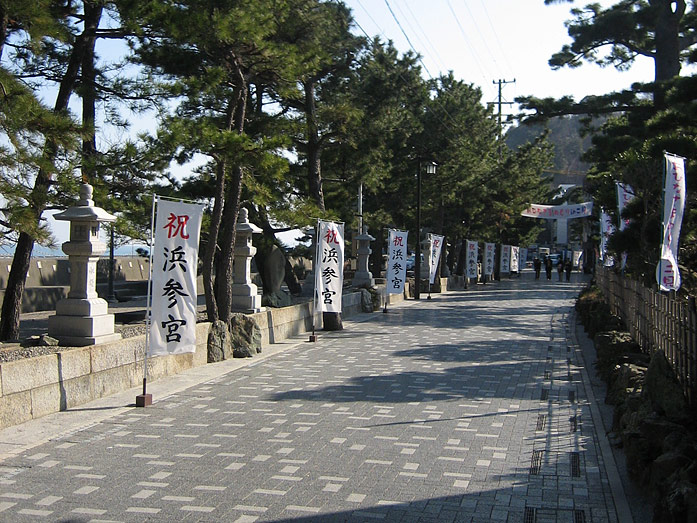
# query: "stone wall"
[[37, 386]]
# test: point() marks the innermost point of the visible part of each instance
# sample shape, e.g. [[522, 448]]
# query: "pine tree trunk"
[[667, 58], [231, 210], [12, 303], [314, 147]]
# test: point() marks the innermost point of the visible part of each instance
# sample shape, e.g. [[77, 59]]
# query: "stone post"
[[81, 319], [244, 292], [363, 277]]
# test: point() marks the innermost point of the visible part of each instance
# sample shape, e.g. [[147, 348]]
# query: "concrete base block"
[[80, 326], [82, 307]]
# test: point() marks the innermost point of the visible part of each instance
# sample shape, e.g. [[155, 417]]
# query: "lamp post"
[[430, 169]]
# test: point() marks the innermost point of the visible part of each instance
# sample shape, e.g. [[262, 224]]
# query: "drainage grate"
[[536, 462], [579, 516], [544, 396], [573, 422], [572, 396], [541, 421], [530, 515], [575, 465]]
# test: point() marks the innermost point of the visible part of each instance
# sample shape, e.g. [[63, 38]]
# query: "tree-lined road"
[[469, 407]]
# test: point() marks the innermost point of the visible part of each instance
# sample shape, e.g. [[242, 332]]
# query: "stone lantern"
[[426, 251], [244, 292], [81, 318], [363, 277]]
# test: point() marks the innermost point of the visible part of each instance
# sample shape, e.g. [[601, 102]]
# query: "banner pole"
[[663, 221], [313, 336], [145, 399]]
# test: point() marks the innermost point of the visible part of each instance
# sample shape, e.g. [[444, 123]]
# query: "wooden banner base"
[[143, 400]]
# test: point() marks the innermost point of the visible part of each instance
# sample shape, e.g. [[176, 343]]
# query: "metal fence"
[[657, 322]]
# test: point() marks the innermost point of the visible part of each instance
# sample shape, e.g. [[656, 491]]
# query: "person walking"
[[567, 268], [548, 267], [560, 268], [537, 264]]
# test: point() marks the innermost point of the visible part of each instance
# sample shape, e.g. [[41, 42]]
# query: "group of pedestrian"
[[562, 267]]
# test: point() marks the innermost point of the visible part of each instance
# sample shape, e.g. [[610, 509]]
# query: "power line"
[[464, 36], [436, 55], [496, 36], [407, 37]]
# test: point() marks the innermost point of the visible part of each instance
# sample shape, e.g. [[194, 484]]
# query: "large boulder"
[[679, 503], [626, 379], [245, 336], [274, 270], [219, 347], [612, 348], [663, 391], [366, 301]]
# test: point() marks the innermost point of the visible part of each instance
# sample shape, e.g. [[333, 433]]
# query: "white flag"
[[505, 265], [625, 194], [471, 258], [667, 273], [174, 296], [434, 258], [515, 258], [607, 229], [489, 258], [329, 263], [523, 257], [396, 261]]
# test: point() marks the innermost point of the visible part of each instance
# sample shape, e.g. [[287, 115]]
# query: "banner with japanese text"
[[505, 265], [667, 273], [471, 259], [174, 298], [329, 266], [625, 194], [434, 258], [523, 257], [515, 258], [607, 229], [396, 261], [489, 258], [555, 212]]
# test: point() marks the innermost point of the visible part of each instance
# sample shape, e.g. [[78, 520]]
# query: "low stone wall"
[[38, 386]]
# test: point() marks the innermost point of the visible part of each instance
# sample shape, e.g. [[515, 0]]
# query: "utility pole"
[[501, 83]]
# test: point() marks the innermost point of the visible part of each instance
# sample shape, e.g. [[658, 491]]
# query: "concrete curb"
[[624, 513]]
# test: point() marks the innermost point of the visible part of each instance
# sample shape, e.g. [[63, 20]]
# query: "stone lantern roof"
[[85, 211]]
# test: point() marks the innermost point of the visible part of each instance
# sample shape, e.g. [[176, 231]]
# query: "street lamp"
[[430, 169]]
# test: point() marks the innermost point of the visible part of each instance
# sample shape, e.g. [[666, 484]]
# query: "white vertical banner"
[[471, 259], [515, 258], [505, 265], [396, 261], [667, 273], [625, 194], [434, 258], [489, 258], [607, 229], [175, 258], [522, 258], [329, 263]]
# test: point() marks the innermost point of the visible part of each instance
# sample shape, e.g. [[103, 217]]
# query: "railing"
[[657, 322]]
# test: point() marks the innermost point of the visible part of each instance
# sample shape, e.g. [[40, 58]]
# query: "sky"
[[482, 42]]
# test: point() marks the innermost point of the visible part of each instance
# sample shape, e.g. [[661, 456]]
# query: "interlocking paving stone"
[[431, 412]]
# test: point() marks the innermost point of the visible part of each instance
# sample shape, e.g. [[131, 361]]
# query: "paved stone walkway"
[[468, 407]]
